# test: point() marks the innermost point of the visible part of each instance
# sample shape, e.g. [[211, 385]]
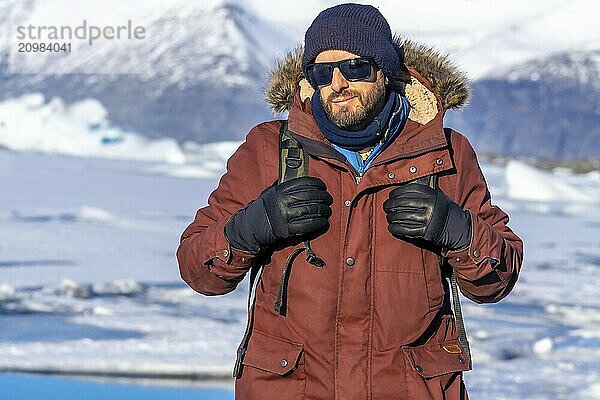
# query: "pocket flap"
[[433, 360], [272, 354]]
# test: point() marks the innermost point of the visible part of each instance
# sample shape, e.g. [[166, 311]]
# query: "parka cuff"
[[482, 254], [226, 261]]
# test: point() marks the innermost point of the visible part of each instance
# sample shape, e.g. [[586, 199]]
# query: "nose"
[[338, 82]]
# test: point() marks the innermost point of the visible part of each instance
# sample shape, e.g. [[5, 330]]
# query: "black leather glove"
[[420, 212], [296, 207]]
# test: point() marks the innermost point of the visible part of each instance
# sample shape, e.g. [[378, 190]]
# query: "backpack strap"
[[432, 181], [293, 163], [255, 273], [460, 323]]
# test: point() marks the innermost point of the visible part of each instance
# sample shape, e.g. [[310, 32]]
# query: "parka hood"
[[446, 81]]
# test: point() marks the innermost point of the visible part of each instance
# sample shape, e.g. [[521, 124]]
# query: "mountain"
[[197, 75], [545, 108], [200, 71]]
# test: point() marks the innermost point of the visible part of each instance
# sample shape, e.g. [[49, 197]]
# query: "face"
[[351, 105]]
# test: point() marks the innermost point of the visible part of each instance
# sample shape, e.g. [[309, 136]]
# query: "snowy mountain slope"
[[184, 44], [198, 60], [481, 35], [548, 107], [200, 72], [581, 68]]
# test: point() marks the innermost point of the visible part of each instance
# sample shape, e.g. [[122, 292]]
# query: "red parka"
[[375, 322]]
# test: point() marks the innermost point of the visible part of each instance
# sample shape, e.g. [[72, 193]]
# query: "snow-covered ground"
[[89, 282]]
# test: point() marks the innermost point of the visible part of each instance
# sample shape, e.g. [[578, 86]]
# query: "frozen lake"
[[89, 283]]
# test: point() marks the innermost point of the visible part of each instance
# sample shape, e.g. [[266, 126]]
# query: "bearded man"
[[389, 205]]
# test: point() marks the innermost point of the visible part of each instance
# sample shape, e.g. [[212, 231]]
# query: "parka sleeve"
[[207, 262], [488, 269]]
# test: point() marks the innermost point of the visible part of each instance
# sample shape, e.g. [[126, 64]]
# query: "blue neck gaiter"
[[354, 140]]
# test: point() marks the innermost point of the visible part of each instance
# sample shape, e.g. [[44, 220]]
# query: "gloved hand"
[[295, 207], [420, 212]]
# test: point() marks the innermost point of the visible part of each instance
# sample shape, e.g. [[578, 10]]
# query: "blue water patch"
[[53, 328], [27, 387], [35, 263]]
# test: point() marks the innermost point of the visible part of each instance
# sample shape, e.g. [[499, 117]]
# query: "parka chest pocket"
[[273, 369]]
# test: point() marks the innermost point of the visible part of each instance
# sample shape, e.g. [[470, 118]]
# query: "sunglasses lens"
[[356, 69], [321, 73]]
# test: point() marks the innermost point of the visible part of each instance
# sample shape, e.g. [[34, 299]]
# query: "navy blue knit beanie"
[[357, 28]]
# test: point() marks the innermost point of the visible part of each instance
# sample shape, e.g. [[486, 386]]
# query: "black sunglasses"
[[353, 69]]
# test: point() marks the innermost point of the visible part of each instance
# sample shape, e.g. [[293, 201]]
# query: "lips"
[[344, 100]]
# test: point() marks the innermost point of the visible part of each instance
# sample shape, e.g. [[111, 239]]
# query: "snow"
[[88, 276], [543, 345], [527, 183], [482, 36], [184, 42], [83, 129]]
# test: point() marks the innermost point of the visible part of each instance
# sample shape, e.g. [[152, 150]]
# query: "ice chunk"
[[7, 292], [528, 183], [73, 289], [543, 345], [123, 287], [79, 129], [94, 214]]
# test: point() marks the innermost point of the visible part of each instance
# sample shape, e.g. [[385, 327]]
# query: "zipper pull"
[[358, 178]]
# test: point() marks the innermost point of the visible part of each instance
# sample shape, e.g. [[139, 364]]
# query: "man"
[[366, 315]]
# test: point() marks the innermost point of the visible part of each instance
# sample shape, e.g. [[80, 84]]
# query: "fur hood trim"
[[449, 84]]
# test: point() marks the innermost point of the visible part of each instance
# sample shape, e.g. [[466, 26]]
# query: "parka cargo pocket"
[[436, 369], [273, 369]]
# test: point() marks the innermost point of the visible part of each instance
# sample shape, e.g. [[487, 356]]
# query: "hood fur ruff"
[[448, 83]]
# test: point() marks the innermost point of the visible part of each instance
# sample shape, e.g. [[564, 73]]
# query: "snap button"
[[461, 360], [458, 259], [225, 253], [391, 175], [243, 259], [347, 203], [476, 253], [439, 161], [413, 169], [350, 261], [283, 362], [418, 368]]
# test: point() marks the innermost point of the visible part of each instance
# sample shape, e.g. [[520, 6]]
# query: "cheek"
[[325, 92]]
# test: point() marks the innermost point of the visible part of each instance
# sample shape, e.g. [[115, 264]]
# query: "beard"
[[349, 117]]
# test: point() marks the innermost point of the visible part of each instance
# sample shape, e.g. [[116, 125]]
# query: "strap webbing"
[[293, 161], [431, 181], [460, 323], [255, 273]]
